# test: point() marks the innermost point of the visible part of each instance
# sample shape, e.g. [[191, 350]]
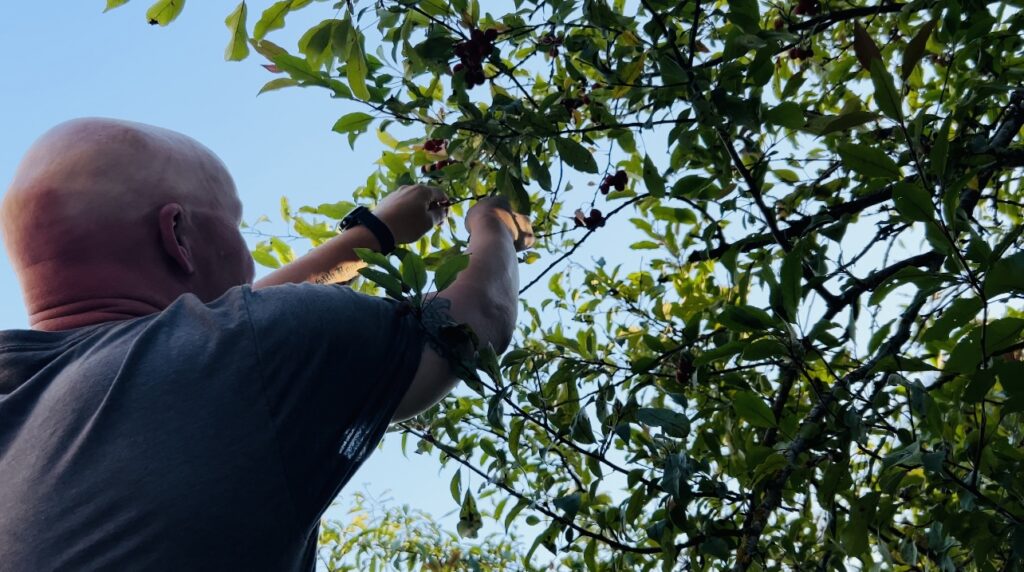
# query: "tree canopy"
[[814, 359]]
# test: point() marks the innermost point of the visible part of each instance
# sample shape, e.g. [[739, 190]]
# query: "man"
[[163, 414]]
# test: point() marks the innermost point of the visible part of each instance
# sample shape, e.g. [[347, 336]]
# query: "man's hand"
[[411, 211], [496, 210]]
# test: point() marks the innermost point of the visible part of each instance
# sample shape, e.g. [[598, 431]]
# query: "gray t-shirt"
[[204, 437]]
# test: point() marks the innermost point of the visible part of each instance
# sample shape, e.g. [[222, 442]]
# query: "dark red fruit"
[[620, 179], [779, 23], [435, 145], [458, 68], [808, 7], [490, 34]]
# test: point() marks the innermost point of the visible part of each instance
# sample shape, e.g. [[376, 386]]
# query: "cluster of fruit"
[[801, 53], [435, 145], [572, 103], [595, 220], [438, 165], [552, 42], [471, 54], [618, 180]]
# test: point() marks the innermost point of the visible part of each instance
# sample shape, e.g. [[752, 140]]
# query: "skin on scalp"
[[110, 220]]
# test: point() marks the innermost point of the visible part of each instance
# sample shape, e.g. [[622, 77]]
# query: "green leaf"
[[652, 178], [1006, 275], [913, 202], [575, 155], [752, 409], [790, 276], [786, 114], [744, 318], [164, 12], [271, 19], [886, 96], [355, 66], [569, 505], [939, 154], [915, 49], [356, 122], [264, 258], [673, 423], [957, 314], [296, 67], [745, 14], [449, 270], [414, 272], [470, 520], [455, 487], [848, 121], [855, 534], [864, 46], [238, 46], [277, 83], [539, 172], [677, 470], [867, 161], [111, 4], [389, 283], [487, 360], [978, 384], [764, 348], [673, 214], [374, 258], [999, 334]]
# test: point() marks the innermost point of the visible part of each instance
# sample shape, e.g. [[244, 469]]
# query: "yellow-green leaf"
[[164, 12], [355, 66], [238, 46], [111, 4], [272, 18]]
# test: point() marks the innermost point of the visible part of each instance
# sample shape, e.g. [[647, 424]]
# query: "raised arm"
[[484, 296], [409, 212]]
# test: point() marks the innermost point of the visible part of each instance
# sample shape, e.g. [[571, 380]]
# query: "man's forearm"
[[332, 262]]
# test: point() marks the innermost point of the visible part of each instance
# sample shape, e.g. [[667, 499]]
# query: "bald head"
[[107, 210]]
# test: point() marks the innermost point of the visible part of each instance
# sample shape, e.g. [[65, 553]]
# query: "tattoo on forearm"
[[329, 277]]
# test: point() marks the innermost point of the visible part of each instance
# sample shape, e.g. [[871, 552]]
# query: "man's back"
[[203, 434]]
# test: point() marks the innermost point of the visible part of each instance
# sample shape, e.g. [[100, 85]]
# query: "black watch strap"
[[363, 216]]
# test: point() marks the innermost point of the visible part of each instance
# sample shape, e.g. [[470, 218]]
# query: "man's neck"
[[83, 313]]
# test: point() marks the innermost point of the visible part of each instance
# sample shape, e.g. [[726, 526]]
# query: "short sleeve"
[[335, 365]]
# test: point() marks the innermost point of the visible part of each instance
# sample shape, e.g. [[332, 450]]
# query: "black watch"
[[363, 216]]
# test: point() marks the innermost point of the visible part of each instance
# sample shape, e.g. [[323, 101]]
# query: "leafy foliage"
[[375, 537], [817, 360]]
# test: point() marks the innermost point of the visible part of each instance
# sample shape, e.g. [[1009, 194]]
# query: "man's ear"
[[173, 239]]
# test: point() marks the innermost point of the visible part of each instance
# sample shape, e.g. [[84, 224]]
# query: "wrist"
[[363, 218], [362, 238]]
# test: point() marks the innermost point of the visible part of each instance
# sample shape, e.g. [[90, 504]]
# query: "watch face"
[[351, 219]]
